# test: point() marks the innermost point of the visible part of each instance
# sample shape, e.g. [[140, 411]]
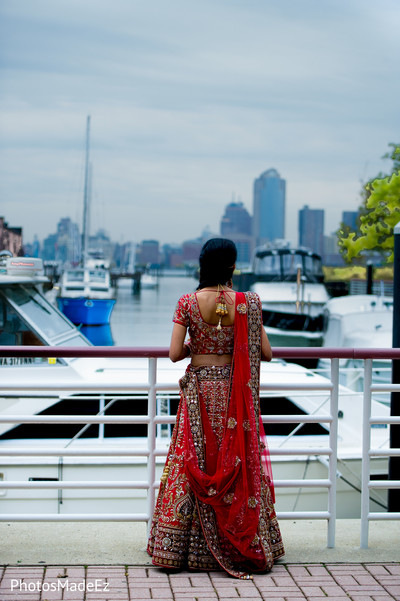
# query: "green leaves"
[[379, 214]]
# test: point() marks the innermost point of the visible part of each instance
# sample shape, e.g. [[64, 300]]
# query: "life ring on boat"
[[88, 303]]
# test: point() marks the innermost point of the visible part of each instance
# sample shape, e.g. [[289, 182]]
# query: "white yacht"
[[86, 295], [290, 284], [148, 281], [360, 321], [115, 387]]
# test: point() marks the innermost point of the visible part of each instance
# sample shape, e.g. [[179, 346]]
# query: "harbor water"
[[145, 319]]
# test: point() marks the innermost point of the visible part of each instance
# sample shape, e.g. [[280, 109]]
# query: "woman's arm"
[[266, 352], [178, 350]]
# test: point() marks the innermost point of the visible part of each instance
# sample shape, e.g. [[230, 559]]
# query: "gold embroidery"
[[228, 499], [241, 308], [252, 502], [231, 423], [246, 425], [165, 473], [211, 492]]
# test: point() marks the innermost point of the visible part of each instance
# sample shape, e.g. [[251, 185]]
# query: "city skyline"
[[236, 223], [189, 104]]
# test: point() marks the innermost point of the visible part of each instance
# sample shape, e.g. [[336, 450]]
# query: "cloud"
[[190, 102]]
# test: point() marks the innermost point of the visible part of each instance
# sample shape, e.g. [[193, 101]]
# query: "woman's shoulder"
[[183, 310], [252, 296], [187, 298], [186, 301]]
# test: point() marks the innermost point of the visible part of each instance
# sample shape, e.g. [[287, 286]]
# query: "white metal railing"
[[367, 453], [151, 388]]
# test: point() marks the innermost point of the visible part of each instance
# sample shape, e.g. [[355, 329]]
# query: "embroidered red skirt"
[[183, 533]]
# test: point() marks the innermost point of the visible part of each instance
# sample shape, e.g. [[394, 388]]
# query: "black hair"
[[217, 260]]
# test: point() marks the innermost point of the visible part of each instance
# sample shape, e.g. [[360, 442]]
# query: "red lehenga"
[[215, 506]]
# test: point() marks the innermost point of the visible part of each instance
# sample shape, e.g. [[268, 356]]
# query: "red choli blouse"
[[204, 337]]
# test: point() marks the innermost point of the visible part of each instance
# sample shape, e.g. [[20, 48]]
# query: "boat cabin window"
[[36, 310], [283, 265], [291, 263], [14, 332], [98, 276], [268, 265], [313, 268], [75, 274], [27, 318]]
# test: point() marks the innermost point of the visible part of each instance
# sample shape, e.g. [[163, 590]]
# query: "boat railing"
[[152, 387]]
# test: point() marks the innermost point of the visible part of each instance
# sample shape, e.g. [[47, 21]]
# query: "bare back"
[[207, 305]]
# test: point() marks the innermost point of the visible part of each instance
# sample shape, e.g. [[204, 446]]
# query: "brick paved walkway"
[[286, 582]]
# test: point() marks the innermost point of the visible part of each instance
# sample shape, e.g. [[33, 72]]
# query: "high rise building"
[[311, 229], [69, 245], [49, 248], [269, 207], [148, 252], [236, 224], [350, 218], [236, 220]]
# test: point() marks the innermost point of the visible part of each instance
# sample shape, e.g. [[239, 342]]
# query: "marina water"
[[145, 319]]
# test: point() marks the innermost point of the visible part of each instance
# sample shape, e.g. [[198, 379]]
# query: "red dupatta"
[[229, 479]]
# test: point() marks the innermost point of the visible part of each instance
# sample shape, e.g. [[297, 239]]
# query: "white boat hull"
[[94, 501]]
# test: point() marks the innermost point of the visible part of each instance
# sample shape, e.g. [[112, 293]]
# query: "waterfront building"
[[148, 252], [331, 255], [236, 224], [68, 242], [32, 249], [311, 229], [10, 238], [191, 250], [236, 220], [269, 207], [244, 246], [100, 245], [350, 218], [49, 248], [172, 256]]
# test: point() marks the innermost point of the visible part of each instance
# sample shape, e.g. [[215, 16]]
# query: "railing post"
[[102, 404], [394, 462], [333, 435], [365, 458], [151, 438]]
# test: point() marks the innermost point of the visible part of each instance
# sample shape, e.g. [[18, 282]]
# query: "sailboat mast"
[[86, 196]]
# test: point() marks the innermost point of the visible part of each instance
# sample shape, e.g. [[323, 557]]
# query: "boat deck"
[[94, 555]]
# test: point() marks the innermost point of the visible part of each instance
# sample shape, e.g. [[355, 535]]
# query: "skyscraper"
[[69, 248], [269, 207], [311, 229], [236, 225], [350, 218], [236, 220]]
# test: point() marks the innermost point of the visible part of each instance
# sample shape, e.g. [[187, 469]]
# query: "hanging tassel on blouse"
[[221, 309]]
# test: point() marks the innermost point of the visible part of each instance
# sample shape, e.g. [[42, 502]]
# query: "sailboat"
[[86, 295]]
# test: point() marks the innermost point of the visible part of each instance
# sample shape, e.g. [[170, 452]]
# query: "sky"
[[190, 101]]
